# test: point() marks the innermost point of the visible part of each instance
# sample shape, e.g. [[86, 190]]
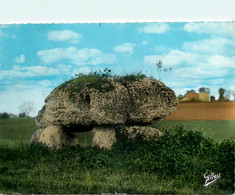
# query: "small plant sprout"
[[160, 69]]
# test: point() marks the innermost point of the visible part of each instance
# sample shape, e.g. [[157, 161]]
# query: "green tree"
[[204, 89], [22, 115], [221, 94], [228, 95], [212, 98], [4, 116]]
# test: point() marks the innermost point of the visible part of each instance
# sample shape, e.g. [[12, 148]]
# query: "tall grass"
[[174, 164]]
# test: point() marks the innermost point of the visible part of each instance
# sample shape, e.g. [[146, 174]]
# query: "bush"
[[94, 158], [183, 152]]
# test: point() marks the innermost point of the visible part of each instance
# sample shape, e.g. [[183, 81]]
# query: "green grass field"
[[18, 131], [175, 165], [218, 130]]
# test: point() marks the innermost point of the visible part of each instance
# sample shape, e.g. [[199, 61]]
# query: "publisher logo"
[[211, 178]]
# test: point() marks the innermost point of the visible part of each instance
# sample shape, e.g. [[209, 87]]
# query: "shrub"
[[183, 152]]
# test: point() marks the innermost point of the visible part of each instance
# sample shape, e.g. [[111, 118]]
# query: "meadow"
[[216, 129], [174, 164], [17, 131]]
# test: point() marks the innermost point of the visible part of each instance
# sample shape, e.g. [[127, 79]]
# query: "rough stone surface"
[[104, 137], [139, 102], [53, 137], [147, 132]]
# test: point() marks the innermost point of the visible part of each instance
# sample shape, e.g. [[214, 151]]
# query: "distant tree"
[[233, 94], [212, 98], [4, 116], [26, 107], [204, 89], [21, 115], [229, 94], [221, 94]]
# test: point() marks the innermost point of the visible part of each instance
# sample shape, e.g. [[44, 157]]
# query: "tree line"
[[25, 109]]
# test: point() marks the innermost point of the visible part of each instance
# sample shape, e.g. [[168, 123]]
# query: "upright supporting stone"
[[147, 132], [104, 137], [54, 137]]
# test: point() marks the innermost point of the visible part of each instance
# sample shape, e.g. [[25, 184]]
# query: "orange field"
[[204, 111]]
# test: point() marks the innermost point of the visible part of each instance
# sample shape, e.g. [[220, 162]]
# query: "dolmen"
[[102, 107]]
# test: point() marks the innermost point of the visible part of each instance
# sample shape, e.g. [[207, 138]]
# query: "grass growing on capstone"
[[174, 164], [98, 80]]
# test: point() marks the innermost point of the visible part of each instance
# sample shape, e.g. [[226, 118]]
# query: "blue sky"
[[35, 58]]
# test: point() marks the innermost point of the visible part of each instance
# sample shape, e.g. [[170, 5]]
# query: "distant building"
[[204, 96], [193, 96]]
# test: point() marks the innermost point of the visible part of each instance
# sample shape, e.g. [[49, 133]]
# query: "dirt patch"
[[204, 111]]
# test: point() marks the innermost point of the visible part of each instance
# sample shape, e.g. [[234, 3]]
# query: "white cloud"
[[20, 59], [213, 45], [64, 68], [125, 48], [173, 58], [22, 72], [218, 61], [202, 71], [76, 56], [192, 72], [40, 70], [154, 28], [64, 35], [198, 66], [225, 28], [232, 88]]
